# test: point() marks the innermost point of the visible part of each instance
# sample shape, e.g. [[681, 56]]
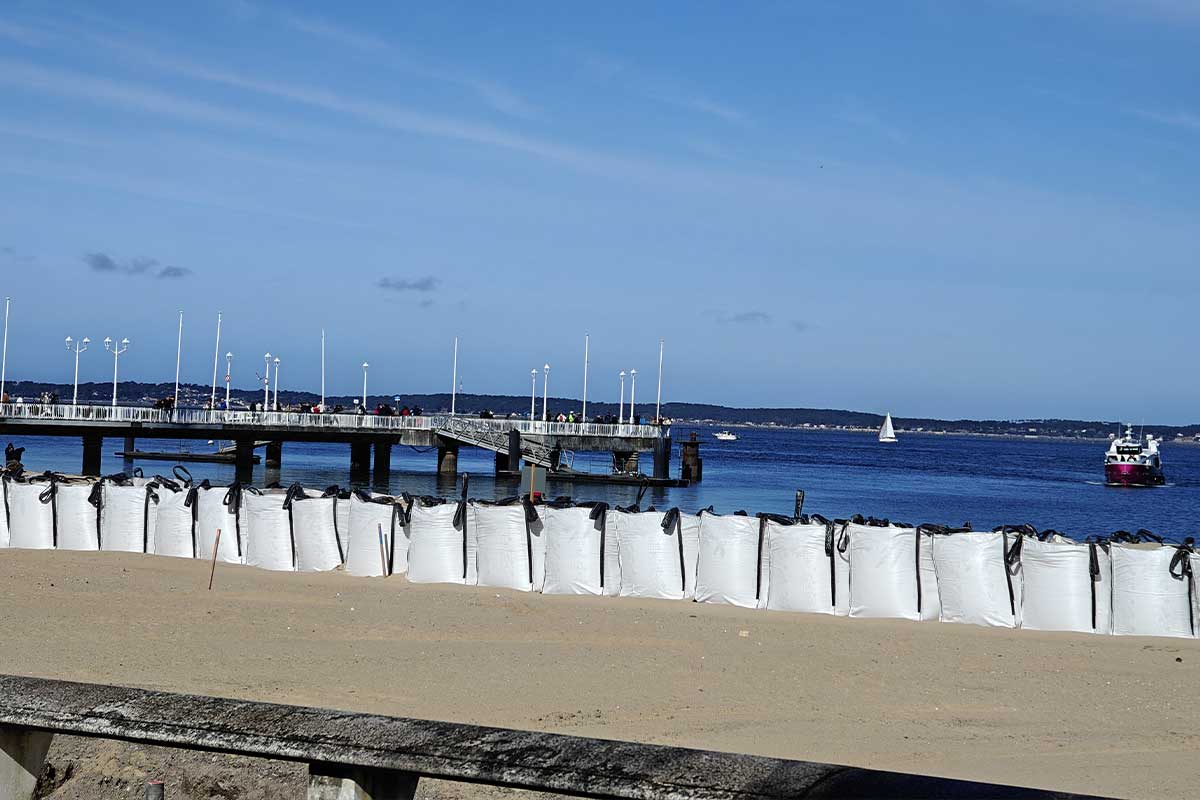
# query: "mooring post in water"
[[155, 790], [799, 502]]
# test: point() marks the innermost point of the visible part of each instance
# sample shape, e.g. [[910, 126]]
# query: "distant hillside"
[[194, 395]]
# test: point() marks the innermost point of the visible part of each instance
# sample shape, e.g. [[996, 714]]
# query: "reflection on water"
[[923, 478]]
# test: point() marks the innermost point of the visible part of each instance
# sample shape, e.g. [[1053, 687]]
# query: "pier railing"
[[59, 412], [383, 758]]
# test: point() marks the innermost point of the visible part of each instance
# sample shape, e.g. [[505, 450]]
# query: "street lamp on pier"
[[532, 393], [228, 369], [78, 347], [632, 389], [275, 403], [364, 402], [545, 388], [116, 348], [621, 405], [267, 381]]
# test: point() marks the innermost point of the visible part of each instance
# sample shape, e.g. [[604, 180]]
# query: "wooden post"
[[22, 756], [212, 573], [338, 782], [382, 552]]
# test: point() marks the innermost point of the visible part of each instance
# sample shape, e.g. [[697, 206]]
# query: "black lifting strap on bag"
[[1181, 569], [1012, 559], [96, 498], [829, 553], [762, 534], [332, 491], [531, 516], [599, 513], [1093, 576], [233, 497], [150, 495], [917, 566], [50, 495], [672, 520], [294, 492], [192, 501], [460, 520]]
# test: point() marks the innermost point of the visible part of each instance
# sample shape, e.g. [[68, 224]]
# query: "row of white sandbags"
[[861, 570]]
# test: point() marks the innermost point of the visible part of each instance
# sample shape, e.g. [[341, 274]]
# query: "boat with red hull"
[[1133, 462]]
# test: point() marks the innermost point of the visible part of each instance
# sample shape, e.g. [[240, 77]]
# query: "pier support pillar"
[[274, 458], [501, 463], [662, 457], [691, 465], [625, 460], [514, 450], [93, 446], [243, 460], [360, 461], [382, 467], [447, 455], [130, 446]]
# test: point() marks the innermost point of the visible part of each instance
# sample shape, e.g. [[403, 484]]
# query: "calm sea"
[[922, 478]]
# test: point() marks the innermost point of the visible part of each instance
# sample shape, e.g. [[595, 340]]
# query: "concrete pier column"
[[130, 446], [514, 450], [382, 467], [691, 465], [447, 454], [662, 457], [274, 459], [243, 460], [625, 460], [501, 463], [93, 446], [360, 461]]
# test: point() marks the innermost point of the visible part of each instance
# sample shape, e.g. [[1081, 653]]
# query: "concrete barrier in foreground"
[[372, 757]]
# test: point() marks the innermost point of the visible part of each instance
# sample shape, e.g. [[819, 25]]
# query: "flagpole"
[[212, 401], [178, 354], [322, 370], [454, 379], [658, 401], [4, 354], [586, 341]]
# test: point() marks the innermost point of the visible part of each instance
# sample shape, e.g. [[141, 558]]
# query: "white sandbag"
[[1151, 590], [75, 515], [268, 530], [976, 584], [1064, 583], [4, 516], [581, 551], [809, 566], [439, 551], [656, 562], [884, 577], [314, 530], [366, 554], [730, 566], [217, 508], [128, 517], [31, 514], [510, 548], [173, 521]]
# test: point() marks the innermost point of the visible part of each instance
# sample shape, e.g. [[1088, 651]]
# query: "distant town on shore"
[[195, 395]]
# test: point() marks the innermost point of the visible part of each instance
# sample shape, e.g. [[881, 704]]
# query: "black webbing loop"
[[1181, 569], [829, 553], [672, 519], [233, 497], [599, 513], [762, 532], [96, 498], [397, 511], [460, 519], [150, 494], [1011, 557], [1093, 576], [182, 474], [531, 516], [7, 512], [917, 564], [49, 495]]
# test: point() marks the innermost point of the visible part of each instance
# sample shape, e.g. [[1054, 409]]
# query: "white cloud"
[[1176, 119]]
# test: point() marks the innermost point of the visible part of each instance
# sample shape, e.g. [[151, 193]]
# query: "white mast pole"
[[586, 339], [4, 355], [212, 400], [658, 399], [322, 369], [454, 379], [178, 353]]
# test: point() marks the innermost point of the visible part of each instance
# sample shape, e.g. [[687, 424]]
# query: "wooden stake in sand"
[[382, 551], [213, 571]]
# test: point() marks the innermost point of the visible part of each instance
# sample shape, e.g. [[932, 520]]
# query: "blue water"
[[922, 478]]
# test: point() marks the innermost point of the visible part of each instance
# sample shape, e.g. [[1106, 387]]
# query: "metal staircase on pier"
[[476, 433]]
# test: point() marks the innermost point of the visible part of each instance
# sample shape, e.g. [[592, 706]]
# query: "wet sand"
[[1106, 715]]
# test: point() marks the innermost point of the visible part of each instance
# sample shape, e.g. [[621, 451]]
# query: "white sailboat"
[[886, 432]]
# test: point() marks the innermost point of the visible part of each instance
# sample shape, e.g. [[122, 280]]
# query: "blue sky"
[[984, 209]]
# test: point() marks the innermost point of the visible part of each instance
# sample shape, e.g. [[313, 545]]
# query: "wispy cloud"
[[424, 284], [1176, 119], [13, 254], [103, 262], [21, 34], [855, 112], [334, 33], [747, 318], [799, 325], [702, 105]]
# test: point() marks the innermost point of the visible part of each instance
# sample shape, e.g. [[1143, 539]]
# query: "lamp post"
[[396, 406], [275, 402], [79, 347], [545, 388], [228, 369], [532, 393], [116, 348], [632, 389], [267, 381], [364, 403], [621, 405]]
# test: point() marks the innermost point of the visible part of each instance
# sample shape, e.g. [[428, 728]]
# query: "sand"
[[1106, 715]]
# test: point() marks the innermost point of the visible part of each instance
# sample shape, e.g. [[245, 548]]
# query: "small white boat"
[[886, 432], [725, 436]]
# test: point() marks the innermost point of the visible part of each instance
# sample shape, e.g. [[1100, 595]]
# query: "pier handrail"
[[59, 412], [368, 755]]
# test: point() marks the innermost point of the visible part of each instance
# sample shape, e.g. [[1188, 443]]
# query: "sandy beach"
[[1105, 715]]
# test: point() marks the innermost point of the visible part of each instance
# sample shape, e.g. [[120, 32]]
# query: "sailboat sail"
[[886, 432]]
